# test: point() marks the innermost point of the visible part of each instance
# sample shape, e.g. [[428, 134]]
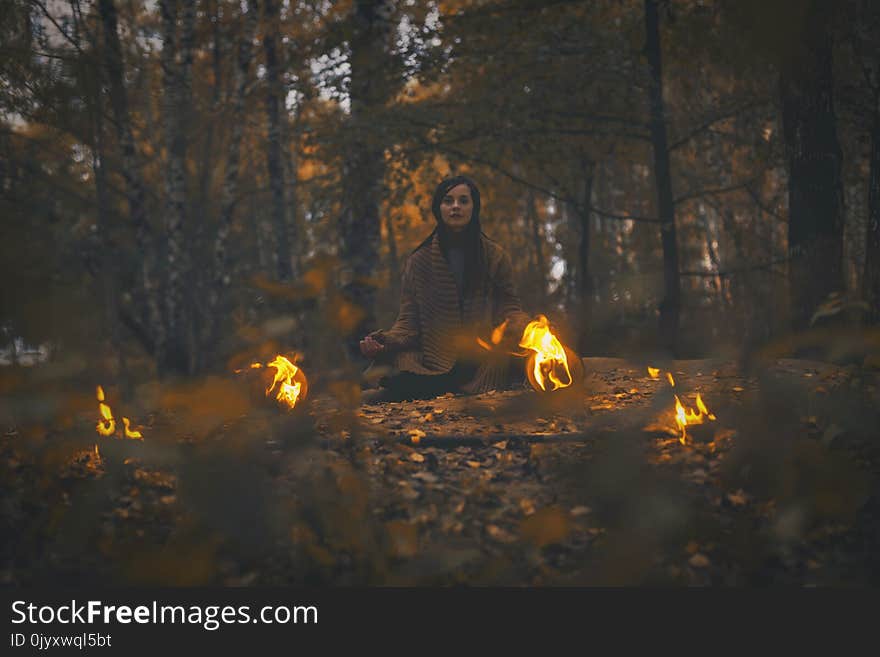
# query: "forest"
[[689, 191]]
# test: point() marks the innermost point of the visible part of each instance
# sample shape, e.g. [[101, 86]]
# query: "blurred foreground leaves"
[[227, 489]]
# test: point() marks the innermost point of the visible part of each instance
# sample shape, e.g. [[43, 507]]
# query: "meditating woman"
[[457, 286]]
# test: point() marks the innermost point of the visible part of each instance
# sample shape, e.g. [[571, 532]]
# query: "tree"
[[815, 193], [670, 307], [363, 166]]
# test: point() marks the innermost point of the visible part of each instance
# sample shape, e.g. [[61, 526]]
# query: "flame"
[[256, 366], [484, 344], [671, 380], [129, 433], [653, 372], [288, 389], [685, 417], [97, 453], [106, 425], [551, 365]]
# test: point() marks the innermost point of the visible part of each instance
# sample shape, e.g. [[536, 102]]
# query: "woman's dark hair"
[[474, 258]]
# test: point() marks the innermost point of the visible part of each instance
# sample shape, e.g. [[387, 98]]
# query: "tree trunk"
[[670, 307], [221, 265], [274, 157], [107, 278], [363, 170], [815, 192], [113, 63], [177, 67], [207, 156], [871, 282], [585, 278], [540, 270]]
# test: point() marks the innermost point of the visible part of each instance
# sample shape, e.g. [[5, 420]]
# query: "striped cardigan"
[[435, 328]]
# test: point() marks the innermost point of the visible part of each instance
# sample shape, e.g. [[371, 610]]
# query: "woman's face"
[[456, 208]]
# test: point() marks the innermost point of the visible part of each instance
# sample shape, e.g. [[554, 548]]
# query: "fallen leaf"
[[738, 498], [501, 444], [580, 511], [418, 458], [473, 464], [527, 506]]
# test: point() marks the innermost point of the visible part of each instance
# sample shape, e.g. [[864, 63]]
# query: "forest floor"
[[587, 486]]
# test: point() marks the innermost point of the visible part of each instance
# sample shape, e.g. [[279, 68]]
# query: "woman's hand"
[[370, 347]]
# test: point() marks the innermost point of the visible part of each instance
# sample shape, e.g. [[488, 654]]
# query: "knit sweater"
[[435, 328]]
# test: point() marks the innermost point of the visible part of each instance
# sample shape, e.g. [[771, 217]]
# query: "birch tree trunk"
[[229, 197], [274, 157], [670, 307]]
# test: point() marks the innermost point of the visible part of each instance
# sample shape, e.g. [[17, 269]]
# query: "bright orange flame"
[[106, 425], [653, 372], [551, 365], [288, 389], [685, 417], [484, 344], [671, 380], [256, 366], [130, 433], [97, 453]]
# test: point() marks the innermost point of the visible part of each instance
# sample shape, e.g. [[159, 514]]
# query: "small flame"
[[484, 344], [653, 372], [671, 380], [106, 425], [256, 366], [685, 417], [130, 433], [551, 364], [288, 389], [97, 453]]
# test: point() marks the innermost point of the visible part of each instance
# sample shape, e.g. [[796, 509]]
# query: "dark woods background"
[[186, 187], [184, 180]]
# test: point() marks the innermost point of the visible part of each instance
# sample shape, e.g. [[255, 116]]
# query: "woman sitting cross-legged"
[[457, 286]]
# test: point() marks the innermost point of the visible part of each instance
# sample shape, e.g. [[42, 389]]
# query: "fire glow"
[[550, 368], [684, 415], [289, 380], [107, 424]]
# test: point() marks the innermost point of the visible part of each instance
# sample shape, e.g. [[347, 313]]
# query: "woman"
[[457, 286]]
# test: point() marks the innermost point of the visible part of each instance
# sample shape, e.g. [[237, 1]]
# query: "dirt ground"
[[590, 486]]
